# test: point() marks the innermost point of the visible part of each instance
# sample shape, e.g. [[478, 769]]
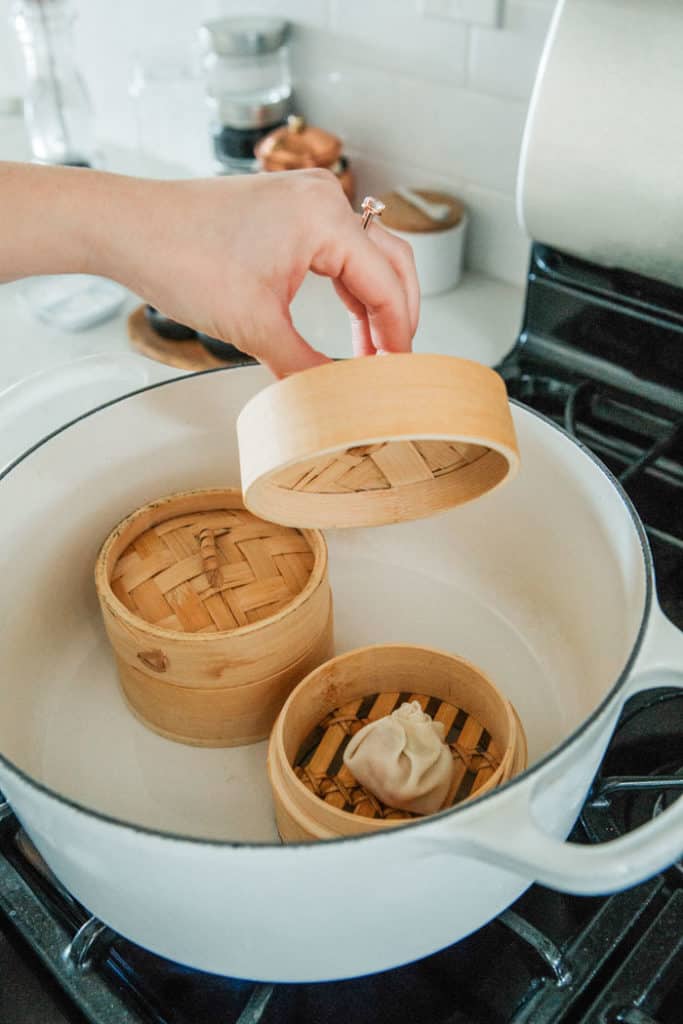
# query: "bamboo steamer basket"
[[370, 441], [225, 717], [214, 615], [315, 794]]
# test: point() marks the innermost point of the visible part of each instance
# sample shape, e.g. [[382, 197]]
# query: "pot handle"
[[660, 661], [514, 839]]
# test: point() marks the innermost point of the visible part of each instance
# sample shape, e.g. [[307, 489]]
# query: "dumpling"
[[402, 759]]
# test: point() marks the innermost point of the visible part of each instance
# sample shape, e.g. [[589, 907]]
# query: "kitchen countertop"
[[480, 320]]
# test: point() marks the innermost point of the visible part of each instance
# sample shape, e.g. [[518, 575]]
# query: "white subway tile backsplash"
[[424, 92], [473, 12], [388, 76], [375, 177], [10, 63], [474, 137], [305, 12], [496, 243], [529, 16], [111, 38], [504, 63], [400, 118], [397, 39]]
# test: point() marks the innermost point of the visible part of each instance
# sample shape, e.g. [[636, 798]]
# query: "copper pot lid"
[[297, 145]]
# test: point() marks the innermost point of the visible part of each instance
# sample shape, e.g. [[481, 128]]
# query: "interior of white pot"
[[540, 583]]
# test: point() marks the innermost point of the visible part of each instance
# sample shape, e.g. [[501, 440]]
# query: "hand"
[[223, 255], [227, 256]]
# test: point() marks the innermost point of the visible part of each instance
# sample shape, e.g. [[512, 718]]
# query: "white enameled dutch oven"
[[545, 583]]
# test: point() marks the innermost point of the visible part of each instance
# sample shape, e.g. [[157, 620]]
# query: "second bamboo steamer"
[[214, 615]]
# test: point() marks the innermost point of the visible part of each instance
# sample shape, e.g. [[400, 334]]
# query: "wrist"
[[64, 220], [114, 214]]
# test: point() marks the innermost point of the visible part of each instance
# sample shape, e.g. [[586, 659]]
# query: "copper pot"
[[298, 145]]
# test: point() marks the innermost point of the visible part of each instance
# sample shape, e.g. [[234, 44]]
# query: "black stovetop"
[[601, 353], [549, 959], [606, 363]]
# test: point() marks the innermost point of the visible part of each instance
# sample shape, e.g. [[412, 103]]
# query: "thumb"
[[286, 352]]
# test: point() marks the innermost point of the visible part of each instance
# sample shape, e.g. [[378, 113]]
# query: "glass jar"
[[167, 90], [57, 107], [59, 123], [248, 85]]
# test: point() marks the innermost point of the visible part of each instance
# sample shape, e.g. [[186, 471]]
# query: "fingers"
[[374, 274], [400, 255], [280, 346], [290, 353], [360, 327], [373, 271], [370, 279]]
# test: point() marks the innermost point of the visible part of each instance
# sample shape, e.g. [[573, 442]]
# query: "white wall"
[[418, 99], [9, 61]]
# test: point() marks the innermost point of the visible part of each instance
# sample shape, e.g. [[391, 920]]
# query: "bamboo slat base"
[[320, 766]]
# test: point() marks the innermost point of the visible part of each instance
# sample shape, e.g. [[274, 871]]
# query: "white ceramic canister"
[[438, 245]]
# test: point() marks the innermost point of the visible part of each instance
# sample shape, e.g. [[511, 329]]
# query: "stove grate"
[[648, 975]]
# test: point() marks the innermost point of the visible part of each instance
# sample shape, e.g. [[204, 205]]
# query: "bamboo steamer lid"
[[194, 568], [375, 440]]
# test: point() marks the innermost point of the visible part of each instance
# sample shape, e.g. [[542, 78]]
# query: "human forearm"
[[48, 217]]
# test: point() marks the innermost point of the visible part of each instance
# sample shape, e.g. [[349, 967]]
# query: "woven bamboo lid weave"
[[207, 571], [369, 441]]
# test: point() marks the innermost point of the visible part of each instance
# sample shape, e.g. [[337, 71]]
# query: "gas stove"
[[601, 354], [550, 959]]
